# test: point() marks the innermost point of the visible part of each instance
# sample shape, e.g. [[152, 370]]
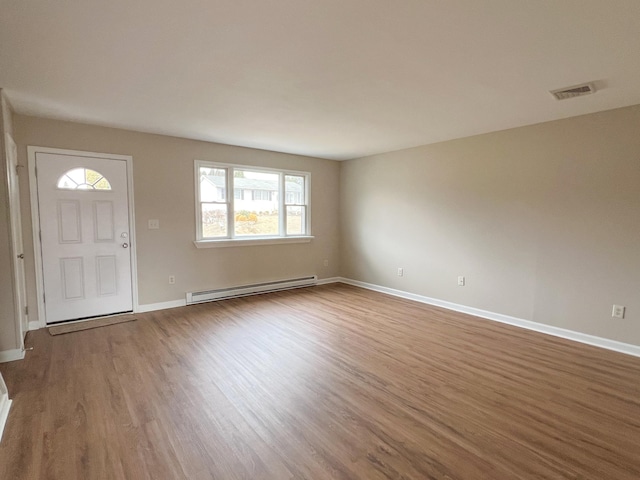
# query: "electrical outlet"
[[461, 281], [326, 263], [172, 280], [618, 311], [401, 272], [154, 224]]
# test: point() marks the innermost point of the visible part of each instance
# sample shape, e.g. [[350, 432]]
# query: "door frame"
[[35, 223], [17, 245]]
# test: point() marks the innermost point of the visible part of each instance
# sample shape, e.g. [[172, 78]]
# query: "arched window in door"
[[83, 179]]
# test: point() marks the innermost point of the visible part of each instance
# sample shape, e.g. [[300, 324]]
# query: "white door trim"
[[35, 222], [16, 246], [5, 405]]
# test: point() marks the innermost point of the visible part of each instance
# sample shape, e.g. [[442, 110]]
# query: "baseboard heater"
[[244, 290]]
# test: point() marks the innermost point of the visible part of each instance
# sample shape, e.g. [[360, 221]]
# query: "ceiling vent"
[[575, 91]]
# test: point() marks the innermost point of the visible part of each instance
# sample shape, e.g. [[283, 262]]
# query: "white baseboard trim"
[[5, 406], [151, 307], [324, 281], [11, 355], [614, 345]]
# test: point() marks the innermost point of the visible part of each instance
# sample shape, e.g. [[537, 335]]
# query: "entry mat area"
[[87, 324]]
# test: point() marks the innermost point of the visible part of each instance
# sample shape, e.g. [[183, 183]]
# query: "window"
[[242, 203], [296, 210], [83, 179], [293, 197], [261, 194]]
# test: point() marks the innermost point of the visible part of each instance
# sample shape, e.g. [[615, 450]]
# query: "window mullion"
[[306, 196], [305, 225], [199, 229], [282, 217], [231, 226]]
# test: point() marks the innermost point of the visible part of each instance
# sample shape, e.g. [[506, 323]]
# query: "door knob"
[[21, 255], [125, 245]]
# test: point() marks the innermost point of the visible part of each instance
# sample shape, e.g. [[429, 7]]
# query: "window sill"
[[245, 242]]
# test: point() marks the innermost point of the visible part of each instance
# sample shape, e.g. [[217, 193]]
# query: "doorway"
[[83, 230]]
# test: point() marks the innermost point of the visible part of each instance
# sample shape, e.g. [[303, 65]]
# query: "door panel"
[[72, 270], [103, 221], [85, 236], [69, 221], [106, 275]]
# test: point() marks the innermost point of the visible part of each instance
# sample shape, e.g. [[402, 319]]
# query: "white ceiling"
[[335, 79]]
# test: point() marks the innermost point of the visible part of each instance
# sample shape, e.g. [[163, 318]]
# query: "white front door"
[[20, 291], [84, 226]]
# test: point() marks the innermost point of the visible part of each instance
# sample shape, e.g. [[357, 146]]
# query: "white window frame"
[[231, 239]]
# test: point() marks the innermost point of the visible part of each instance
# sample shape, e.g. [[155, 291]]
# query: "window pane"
[[102, 184], [214, 220], [296, 222], [256, 222], [66, 182], [92, 176], [256, 211], [213, 184], [262, 195], [83, 179], [294, 189], [77, 175]]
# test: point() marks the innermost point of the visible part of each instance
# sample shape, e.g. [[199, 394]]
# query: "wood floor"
[[319, 383]]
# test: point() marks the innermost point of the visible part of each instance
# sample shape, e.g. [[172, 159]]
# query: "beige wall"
[[9, 335], [164, 189], [544, 222]]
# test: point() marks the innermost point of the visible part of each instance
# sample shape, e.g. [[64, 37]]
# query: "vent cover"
[[575, 91]]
